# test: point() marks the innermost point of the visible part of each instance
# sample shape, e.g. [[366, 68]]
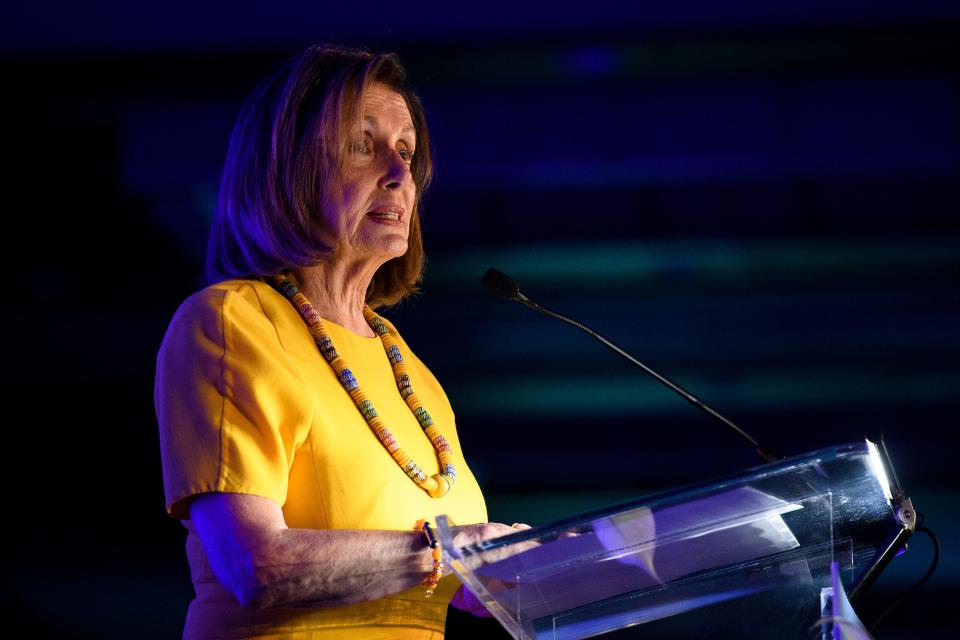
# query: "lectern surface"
[[741, 557]]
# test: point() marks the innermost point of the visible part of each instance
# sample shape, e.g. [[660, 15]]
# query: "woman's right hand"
[[464, 599], [471, 534]]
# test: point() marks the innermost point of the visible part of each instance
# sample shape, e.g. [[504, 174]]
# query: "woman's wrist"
[[436, 556]]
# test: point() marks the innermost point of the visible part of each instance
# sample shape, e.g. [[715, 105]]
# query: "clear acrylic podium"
[[748, 556]]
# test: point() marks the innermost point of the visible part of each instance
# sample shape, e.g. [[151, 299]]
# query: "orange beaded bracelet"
[[436, 553]]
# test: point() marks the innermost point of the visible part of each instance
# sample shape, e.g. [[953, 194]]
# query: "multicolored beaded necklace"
[[437, 485]]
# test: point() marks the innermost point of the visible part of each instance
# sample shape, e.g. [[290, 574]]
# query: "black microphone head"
[[501, 285]]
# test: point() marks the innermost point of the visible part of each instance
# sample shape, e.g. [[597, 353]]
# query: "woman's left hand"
[[465, 600]]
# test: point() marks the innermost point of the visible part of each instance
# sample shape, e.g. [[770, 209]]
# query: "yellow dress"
[[247, 404]]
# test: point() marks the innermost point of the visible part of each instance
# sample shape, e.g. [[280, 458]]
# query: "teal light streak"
[[639, 264], [627, 394]]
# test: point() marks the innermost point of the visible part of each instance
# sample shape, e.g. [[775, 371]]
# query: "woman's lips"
[[386, 217], [387, 214]]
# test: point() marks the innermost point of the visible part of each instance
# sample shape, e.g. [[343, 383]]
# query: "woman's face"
[[373, 218]]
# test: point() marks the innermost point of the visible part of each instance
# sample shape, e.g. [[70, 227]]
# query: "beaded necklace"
[[436, 485]]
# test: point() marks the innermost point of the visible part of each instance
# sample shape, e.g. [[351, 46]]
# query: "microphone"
[[501, 285], [506, 288]]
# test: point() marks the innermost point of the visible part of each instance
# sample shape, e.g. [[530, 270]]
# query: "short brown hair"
[[286, 147]]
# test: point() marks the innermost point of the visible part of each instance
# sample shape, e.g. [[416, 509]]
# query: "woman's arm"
[[266, 564]]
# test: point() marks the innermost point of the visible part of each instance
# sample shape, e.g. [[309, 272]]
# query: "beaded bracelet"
[[436, 552]]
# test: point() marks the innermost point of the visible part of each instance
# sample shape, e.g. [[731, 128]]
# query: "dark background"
[[759, 201]]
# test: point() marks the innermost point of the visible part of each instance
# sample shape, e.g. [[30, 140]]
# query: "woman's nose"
[[395, 172]]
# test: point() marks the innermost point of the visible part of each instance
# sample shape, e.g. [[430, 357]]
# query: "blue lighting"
[[593, 61]]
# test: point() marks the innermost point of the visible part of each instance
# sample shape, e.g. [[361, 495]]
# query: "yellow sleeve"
[[230, 402]]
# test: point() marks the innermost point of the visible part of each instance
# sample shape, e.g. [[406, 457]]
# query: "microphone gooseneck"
[[506, 288]]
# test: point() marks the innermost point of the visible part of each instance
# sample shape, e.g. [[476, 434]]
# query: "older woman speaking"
[[303, 442]]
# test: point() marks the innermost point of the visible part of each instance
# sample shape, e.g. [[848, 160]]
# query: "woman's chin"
[[389, 248], [395, 246]]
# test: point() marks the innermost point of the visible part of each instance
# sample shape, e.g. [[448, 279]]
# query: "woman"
[[301, 438]]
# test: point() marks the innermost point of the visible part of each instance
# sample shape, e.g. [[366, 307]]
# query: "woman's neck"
[[338, 292]]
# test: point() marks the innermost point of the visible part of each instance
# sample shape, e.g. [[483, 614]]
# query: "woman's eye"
[[407, 155], [361, 147]]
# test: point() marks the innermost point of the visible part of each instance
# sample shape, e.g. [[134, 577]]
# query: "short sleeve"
[[230, 402]]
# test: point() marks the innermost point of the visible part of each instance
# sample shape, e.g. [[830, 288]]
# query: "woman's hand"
[[465, 600], [471, 534]]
